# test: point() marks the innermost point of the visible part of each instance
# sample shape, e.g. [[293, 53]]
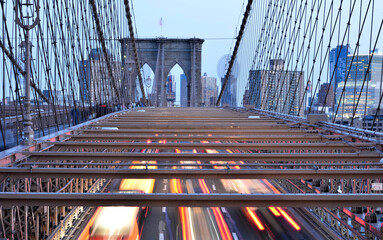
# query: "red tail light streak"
[[222, 225]]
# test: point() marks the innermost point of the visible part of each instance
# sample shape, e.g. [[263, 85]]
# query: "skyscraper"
[[277, 89], [338, 65], [170, 90], [326, 95], [93, 74], [209, 90], [369, 91], [229, 95], [184, 91]]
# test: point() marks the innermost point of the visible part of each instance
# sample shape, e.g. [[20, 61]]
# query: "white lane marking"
[[234, 236], [165, 187], [213, 186], [191, 223], [163, 209]]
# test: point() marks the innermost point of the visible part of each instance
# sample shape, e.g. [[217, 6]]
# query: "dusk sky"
[[187, 19]]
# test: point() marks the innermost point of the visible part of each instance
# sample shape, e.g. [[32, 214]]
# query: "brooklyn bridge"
[[102, 139]]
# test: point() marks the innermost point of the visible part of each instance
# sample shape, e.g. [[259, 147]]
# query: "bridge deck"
[[310, 166]]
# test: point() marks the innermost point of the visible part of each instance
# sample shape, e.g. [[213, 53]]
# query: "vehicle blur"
[[123, 223]]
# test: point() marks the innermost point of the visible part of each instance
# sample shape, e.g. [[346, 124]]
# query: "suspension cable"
[[103, 45], [234, 55], [131, 32]]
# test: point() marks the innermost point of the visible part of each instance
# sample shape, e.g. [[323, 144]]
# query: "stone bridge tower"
[[161, 54]]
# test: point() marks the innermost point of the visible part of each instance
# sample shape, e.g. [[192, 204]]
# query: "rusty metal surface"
[[261, 157], [203, 146], [192, 200], [226, 173]]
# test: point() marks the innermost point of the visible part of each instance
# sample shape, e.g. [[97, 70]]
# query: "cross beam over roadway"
[[230, 173], [192, 200], [251, 157], [242, 148]]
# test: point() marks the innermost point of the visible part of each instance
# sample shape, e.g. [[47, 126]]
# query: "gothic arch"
[[161, 54]]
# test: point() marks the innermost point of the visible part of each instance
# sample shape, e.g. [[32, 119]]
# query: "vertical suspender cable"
[[129, 16], [102, 40], [237, 43]]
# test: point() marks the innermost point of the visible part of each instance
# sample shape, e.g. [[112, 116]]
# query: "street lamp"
[[148, 83], [23, 22]]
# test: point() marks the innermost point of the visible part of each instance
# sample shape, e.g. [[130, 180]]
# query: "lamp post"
[[130, 69], [148, 83], [23, 22]]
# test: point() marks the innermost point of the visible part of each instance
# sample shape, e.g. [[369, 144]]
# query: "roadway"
[[195, 140], [214, 222], [240, 225]]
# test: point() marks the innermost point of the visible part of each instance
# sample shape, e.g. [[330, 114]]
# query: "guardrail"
[[363, 134], [69, 220]]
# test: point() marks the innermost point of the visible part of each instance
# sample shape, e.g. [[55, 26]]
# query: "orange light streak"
[[271, 186], [289, 219], [149, 141], [199, 162], [183, 211], [358, 219], [85, 233], [255, 218], [236, 166], [222, 225], [204, 188], [274, 211], [186, 234]]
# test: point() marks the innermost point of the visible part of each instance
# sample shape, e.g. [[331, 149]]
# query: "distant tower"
[[184, 91], [209, 90], [338, 65], [276, 89], [229, 95]]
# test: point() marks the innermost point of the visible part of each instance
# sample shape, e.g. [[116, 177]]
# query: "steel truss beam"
[[262, 157], [264, 138], [224, 145], [370, 173], [190, 200], [153, 131]]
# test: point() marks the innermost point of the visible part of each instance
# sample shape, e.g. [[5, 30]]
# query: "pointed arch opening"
[[148, 76], [177, 87]]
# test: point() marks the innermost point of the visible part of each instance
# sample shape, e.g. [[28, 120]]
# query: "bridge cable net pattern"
[[312, 57], [305, 166], [76, 72]]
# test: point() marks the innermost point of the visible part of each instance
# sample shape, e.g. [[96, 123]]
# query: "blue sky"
[[186, 19]]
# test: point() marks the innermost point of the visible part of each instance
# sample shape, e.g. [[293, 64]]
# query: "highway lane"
[[218, 223], [240, 226]]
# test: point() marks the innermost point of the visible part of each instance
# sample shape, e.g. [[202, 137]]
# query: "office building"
[[184, 91], [326, 95], [360, 84], [209, 90], [277, 89], [229, 95], [95, 82]]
